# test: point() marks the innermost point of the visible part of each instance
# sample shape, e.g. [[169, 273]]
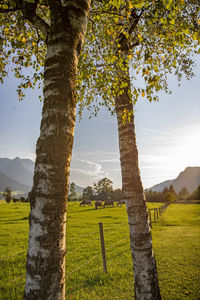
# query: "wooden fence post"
[[157, 213], [154, 215], [150, 223], [103, 251]]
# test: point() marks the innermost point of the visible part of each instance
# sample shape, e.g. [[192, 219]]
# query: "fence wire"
[[81, 266], [109, 229], [11, 256], [83, 235]]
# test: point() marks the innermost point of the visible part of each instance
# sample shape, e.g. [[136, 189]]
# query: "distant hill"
[[18, 169], [6, 181], [17, 173], [189, 178], [160, 186]]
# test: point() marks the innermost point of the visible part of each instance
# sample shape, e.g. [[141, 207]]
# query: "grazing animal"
[[16, 200], [86, 202], [98, 204], [108, 203], [121, 202]]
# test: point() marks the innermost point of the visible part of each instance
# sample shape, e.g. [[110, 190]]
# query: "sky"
[[167, 134]]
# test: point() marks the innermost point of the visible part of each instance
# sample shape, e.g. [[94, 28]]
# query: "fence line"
[[110, 247], [156, 214], [10, 256], [16, 278], [78, 268], [116, 225], [88, 261], [91, 233], [74, 250], [113, 231], [68, 252], [83, 235]]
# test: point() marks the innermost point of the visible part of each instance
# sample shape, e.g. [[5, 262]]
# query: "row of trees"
[[124, 38], [170, 195], [102, 190], [193, 196], [7, 194]]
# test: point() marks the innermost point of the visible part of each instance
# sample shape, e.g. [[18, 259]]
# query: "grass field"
[[176, 241]]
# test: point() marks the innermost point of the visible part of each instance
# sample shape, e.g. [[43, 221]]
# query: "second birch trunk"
[[144, 264]]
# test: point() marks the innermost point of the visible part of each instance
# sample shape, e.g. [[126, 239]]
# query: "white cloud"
[[88, 154], [86, 172], [168, 133], [87, 167], [110, 160]]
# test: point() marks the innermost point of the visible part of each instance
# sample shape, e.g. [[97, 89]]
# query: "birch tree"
[[147, 39], [126, 39], [47, 36]]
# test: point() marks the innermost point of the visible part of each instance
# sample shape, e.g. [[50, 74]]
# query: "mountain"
[[189, 178], [17, 173], [18, 169], [160, 186], [14, 185]]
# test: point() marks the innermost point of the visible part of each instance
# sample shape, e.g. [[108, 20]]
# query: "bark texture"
[[47, 244], [144, 265]]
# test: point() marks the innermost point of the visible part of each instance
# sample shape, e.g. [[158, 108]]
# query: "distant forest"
[[103, 190], [170, 195]]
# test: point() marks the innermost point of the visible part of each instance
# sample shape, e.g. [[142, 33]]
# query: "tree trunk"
[[144, 265], [48, 199]]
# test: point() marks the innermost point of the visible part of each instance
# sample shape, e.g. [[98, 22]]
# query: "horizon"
[[167, 134], [168, 179], [154, 187]]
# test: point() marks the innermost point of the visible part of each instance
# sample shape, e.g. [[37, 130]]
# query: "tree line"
[[170, 195], [7, 195], [102, 190]]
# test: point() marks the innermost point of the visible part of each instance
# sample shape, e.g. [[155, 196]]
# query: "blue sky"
[[167, 134]]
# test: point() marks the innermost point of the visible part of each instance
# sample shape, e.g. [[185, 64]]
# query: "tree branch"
[[7, 10], [29, 13], [55, 3], [136, 21], [97, 12], [2, 10], [134, 45]]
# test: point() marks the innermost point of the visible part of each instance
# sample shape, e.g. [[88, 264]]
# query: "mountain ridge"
[[14, 185], [21, 172], [18, 169], [18, 173], [189, 178]]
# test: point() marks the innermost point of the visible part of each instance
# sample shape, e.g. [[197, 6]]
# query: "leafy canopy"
[[22, 41], [150, 38], [104, 188]]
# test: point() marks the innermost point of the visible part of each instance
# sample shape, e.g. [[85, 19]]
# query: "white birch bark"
[[48, 199], [144, 265]]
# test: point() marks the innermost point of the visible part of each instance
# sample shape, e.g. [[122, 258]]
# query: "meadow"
[[176, 245]]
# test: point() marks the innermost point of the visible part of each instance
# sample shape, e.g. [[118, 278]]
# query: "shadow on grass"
[[81, 211], [14, 220]]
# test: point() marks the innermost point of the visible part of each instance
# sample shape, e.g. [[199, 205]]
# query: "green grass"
[[175, 239]]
